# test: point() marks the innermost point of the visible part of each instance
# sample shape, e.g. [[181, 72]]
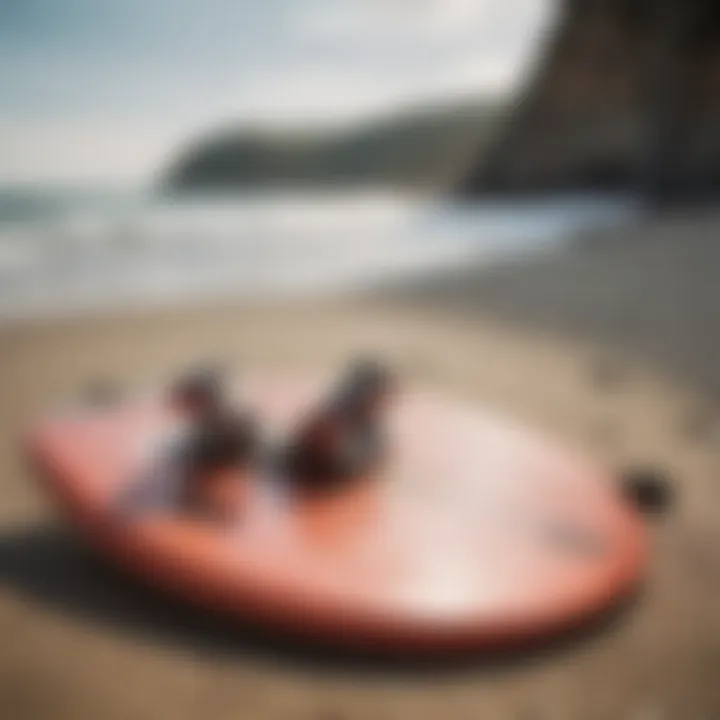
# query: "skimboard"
[[477, 534]]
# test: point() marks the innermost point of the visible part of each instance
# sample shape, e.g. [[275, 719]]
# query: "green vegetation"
[[421, 148]]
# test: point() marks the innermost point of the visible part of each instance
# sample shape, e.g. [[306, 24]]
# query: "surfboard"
[[478, 533]]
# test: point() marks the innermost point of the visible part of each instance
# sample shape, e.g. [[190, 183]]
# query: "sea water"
[[90, 249]]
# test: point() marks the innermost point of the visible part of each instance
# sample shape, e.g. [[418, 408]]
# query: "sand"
[[609, 343]]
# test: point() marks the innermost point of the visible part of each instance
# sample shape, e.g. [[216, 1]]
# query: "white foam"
[[267, 244]]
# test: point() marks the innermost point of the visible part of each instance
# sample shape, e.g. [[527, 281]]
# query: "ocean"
[[64, 250]]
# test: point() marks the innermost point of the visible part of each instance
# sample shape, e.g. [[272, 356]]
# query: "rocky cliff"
[[626, 96]]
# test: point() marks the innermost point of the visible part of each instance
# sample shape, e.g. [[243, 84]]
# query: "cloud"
[[424, 48], [108, 92], [86, 151], [396, 20]]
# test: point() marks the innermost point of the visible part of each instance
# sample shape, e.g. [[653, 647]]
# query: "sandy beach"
[[611, 343]]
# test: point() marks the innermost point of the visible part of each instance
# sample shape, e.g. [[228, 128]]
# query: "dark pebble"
[[650, 489]]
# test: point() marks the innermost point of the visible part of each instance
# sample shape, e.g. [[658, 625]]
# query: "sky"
[[109, 89]]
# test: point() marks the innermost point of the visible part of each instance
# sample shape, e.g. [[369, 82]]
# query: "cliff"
[[626, 96]]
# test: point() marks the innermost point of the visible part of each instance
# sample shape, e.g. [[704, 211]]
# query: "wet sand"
[[595, 343]]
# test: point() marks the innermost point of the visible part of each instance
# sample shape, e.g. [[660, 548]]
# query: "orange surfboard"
[[478, 534]]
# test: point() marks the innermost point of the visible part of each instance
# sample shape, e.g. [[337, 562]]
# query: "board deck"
[[478, 534]]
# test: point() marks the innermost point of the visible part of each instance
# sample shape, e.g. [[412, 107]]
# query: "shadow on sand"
[[45, 564]]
